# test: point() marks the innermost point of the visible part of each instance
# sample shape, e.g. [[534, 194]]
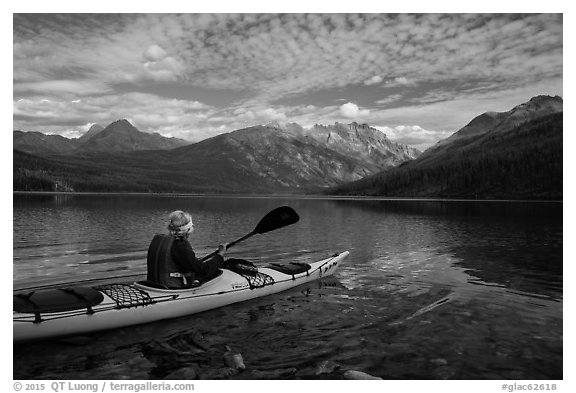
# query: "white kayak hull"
[[159, 304]]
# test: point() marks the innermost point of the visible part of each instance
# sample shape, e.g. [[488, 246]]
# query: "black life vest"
[[162, 269]]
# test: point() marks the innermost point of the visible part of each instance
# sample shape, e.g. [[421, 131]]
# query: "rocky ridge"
[[536, 107]]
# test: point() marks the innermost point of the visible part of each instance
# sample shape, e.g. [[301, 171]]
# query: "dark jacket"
[[172, 263], [186, 260]]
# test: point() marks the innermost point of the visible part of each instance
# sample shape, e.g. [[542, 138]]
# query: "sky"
[[417, 77]]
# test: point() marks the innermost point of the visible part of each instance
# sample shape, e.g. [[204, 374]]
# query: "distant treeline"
[[136, 172], [33, 173], [523, 163]]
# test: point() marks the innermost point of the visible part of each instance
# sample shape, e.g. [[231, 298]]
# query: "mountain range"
[[258, 159], [119, 136], [515, 154]]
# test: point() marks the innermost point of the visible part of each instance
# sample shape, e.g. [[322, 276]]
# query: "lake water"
[[431, 289]]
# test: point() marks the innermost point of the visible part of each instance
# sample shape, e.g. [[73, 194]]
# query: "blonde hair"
[[180, 223]]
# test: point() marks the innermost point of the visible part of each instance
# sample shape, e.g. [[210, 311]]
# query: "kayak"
[[47, 313]]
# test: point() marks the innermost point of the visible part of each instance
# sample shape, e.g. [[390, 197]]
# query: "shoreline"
[[284, 196]]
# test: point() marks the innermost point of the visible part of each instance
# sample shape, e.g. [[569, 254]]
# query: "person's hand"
[[222, 249]]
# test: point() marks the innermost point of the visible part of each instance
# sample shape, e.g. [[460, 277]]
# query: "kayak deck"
[[124, 304]]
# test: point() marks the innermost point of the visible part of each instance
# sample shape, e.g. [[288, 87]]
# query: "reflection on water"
[[431, 290]]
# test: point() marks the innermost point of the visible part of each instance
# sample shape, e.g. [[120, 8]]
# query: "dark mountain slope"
[[94, 130], [535, 108], [38, 143], [525, 162], [273, 158]]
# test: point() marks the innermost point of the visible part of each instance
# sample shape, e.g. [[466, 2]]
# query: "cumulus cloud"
[[159, 66], [166, 70], [155, 53], [399, 81], [376, 79], [352, 111]]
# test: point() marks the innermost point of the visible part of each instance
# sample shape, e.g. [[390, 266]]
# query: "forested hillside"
[[33, 173], [523, 163]]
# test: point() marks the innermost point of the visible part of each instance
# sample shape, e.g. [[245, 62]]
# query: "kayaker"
[[172, 261]]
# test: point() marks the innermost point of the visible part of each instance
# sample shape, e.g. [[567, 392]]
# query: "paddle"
[[275, 219]]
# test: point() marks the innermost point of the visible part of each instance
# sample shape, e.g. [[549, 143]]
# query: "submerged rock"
[[326, 367], [353, 374], [234, 360], [439, 362]]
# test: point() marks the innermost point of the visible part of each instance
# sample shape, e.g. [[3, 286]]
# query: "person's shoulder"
[[182, 242]]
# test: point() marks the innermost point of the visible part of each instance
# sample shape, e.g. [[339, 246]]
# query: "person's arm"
[[186, 258], [211, 266]]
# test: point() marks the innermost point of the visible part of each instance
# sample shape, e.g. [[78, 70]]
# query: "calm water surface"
[[431, 289]]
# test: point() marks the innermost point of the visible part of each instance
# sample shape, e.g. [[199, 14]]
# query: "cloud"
[[75, 87], [399, 81], [159, 66], [166, 70], [275, 56], [376, 79], [352, 111], [272, 114], [389, 99], [150, 113], [257, 115], [436, 70], [414, 135], [452, 110], [155, 53]]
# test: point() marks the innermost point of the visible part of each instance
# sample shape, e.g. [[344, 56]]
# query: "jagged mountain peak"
[[539, 103], [363, 126], [546, 98], [275, 124], [363, 133]]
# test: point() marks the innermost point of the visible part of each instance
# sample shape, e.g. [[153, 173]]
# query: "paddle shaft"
[[228, 246]]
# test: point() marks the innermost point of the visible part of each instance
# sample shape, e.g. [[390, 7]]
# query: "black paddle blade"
[[277, 218]]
